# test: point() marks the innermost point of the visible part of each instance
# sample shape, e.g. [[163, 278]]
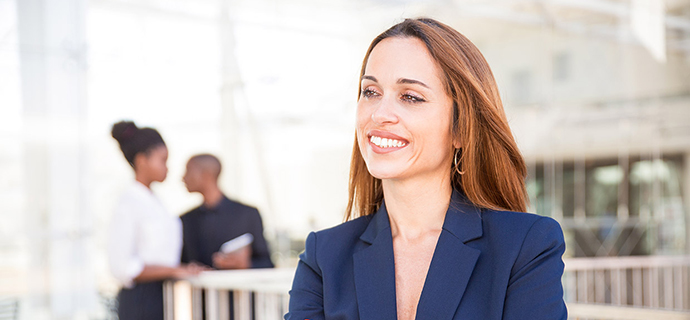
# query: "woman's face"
[[404, 114], [154, 163]]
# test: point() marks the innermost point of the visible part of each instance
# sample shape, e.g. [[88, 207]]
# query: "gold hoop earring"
[[456, 163]]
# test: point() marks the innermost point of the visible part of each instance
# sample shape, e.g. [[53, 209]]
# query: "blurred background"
[[596, 91]]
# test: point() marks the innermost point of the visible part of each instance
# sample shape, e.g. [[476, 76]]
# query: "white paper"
[[237, 243]]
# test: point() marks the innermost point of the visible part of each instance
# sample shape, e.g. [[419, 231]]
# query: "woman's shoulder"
[[340, 237], [348, 229], [512, 217], [512, 230], [136, 191], [507, 223], [137, 200], [334, 244]]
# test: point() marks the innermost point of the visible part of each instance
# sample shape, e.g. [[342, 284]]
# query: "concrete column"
[[52, 42], [686, 199], [230, 84]]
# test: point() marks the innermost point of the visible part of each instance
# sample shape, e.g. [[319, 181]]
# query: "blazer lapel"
[[374, 268], [453, 261]]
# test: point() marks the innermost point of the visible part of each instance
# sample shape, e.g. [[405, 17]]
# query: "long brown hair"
[[488, 168]]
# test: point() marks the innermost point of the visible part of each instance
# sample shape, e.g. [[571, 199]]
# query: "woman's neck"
[[416, 207], [143, 180]]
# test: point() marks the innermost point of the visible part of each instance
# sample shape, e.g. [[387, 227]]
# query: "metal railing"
[[259, 294], [9, 308], [641, 287], [625, 288]]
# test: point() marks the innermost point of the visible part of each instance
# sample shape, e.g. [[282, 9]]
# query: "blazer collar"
[[379, 223], [453, 262], [451, 265], [374, 270], [463, 220]]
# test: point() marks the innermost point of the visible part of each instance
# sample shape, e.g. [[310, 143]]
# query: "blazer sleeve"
[[261, 256], [535, 290], [306, 296]]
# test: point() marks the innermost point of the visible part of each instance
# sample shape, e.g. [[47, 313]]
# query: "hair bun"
[[123, 131]]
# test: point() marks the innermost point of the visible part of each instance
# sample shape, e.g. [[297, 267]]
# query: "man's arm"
[[261, 256]]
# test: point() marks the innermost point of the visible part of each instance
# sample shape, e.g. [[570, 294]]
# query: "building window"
[[522, 87], [610, 207], [561, 67]]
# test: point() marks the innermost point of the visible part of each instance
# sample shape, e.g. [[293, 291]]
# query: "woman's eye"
[[368, 93], [412, 98]]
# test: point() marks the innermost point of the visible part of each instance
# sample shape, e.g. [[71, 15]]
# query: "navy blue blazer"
[[487, 265]]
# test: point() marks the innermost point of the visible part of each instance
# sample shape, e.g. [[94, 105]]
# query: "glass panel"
[[568, 185], [655, 189], [602, 190], [535, 188]]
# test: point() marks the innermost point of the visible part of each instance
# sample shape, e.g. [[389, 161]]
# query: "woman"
[[145, 241], [437, 192]]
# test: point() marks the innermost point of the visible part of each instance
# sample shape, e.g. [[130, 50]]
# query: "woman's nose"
[[384, 113]]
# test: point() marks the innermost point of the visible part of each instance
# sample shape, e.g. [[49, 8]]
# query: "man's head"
[[202, 172]]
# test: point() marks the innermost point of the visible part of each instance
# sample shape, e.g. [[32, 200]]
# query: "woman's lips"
[[383, 142]]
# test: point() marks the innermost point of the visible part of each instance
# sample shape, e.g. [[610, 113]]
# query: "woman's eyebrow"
[[412, 81], [400, 81], [372, 78]]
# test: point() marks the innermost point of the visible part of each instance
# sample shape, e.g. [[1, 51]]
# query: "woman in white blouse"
[[145, 240]]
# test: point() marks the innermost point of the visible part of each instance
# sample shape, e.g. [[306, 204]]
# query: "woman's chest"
[[412, 261]]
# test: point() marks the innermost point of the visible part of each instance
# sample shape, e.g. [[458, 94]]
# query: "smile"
[[386, 142]]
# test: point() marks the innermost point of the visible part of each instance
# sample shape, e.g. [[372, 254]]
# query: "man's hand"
[[189, 270], [239, 259]]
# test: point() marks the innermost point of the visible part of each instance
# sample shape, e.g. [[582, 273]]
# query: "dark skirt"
[[144, 301]]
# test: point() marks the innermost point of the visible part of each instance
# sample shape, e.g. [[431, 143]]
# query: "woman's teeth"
[[385, 142]]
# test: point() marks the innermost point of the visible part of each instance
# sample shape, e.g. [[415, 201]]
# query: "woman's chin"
[[384, 173]]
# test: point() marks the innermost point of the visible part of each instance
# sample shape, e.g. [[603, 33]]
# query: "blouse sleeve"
[[306, 296], [535, 290], [124, 263]]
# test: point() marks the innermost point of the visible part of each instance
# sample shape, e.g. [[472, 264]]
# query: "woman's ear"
[[456, 143], [139, 160]]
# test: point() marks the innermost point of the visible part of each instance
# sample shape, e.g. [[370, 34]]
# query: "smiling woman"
[[437, 196], [404, 106]]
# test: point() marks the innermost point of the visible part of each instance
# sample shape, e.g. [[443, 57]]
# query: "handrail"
[[259, 294], [641, 287], [597, 263], [594, 311], [262, 280], [646, 282]]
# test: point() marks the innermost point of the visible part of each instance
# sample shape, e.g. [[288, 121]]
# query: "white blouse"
[[142, 232]]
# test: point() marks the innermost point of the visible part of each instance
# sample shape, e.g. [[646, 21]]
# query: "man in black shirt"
[[218, 220]]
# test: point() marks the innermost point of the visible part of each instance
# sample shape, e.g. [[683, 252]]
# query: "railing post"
[[668, 287], [654, 279], [685, 283], [600, 286], [570, 283], [197, 304], [212, 304], [168, 300], [242, 304], [224, 305], [581, 286], [616, 285], [623, 286], [637, 278]]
